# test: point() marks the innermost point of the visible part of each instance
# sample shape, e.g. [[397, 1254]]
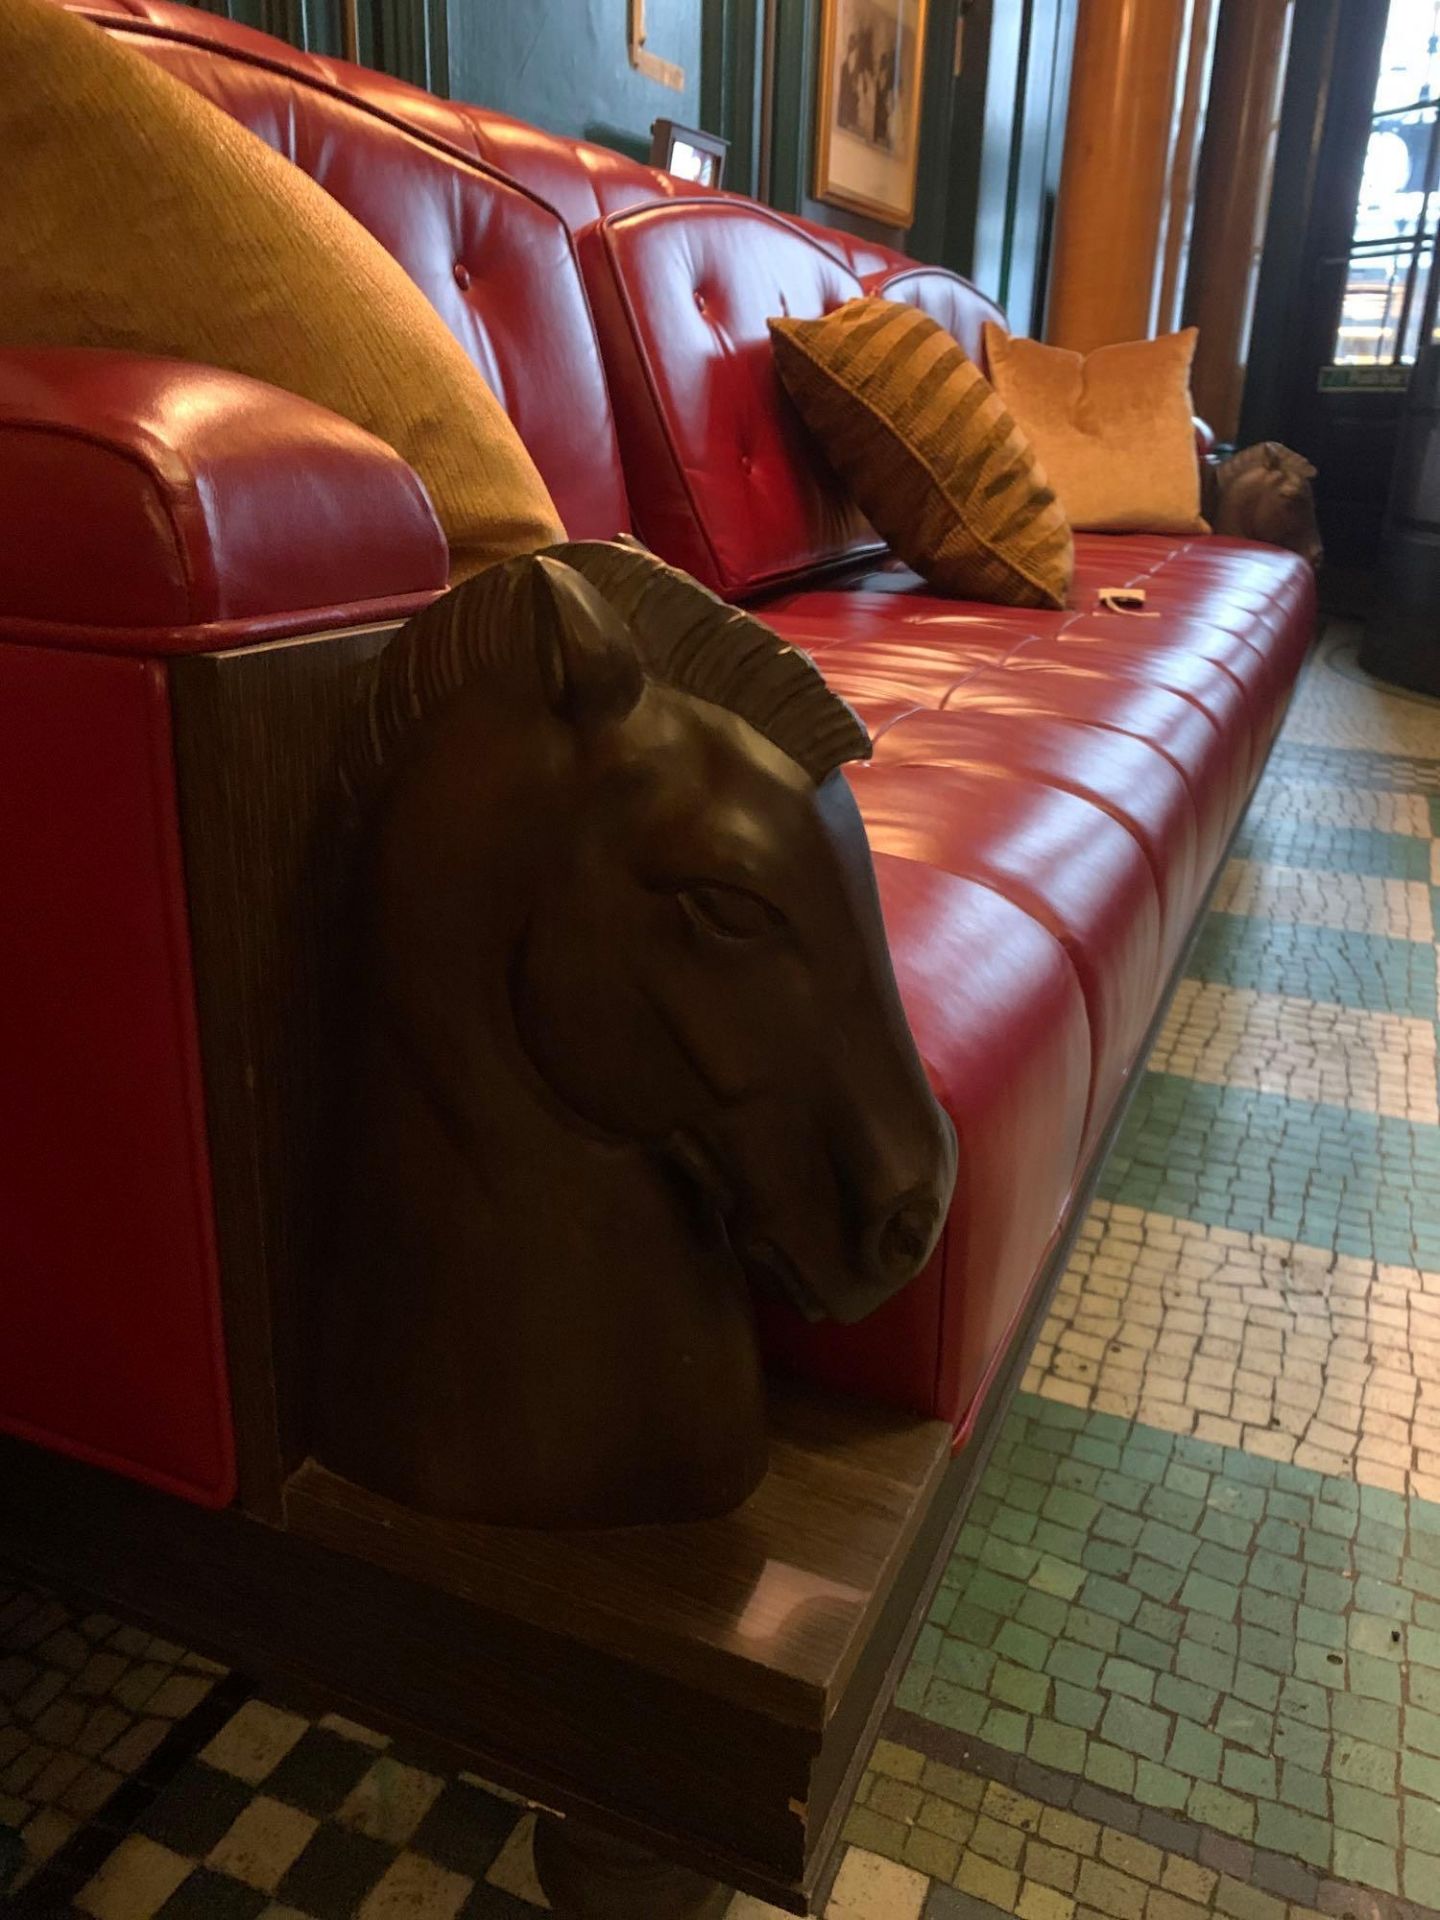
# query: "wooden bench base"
[[698, 1691]]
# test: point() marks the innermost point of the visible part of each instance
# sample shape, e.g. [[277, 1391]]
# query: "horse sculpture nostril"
[[905, 1239]]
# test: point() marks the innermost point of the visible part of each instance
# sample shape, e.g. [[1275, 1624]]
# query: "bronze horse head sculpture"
[[1264, 493], [628, 1040]]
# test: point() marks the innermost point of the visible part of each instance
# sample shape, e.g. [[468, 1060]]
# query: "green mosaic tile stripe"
[[1354, 767], [1302, 843], [1250, 1644], [1366, 971], [1328, 1176]]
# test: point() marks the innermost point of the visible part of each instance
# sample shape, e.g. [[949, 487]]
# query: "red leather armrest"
[[1205, 442], [155, 506]]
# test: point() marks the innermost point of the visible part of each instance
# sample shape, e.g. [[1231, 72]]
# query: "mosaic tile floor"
[[1185, 1660], [1186, 1656]]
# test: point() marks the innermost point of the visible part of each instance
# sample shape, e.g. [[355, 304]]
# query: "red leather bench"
[[1049, 800]]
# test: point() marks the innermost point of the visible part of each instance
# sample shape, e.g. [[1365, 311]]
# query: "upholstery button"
[[746, 463], [462, 276], [699, 300]]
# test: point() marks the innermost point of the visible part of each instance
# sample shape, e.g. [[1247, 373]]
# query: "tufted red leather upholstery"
[[151, 506], [496, 262], [723, 477], [1050, 794]]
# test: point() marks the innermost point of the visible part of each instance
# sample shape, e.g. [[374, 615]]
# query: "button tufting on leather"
[[746, 463], [462, 276]]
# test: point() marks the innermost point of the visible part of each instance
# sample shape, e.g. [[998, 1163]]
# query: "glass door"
[[1388, 303]]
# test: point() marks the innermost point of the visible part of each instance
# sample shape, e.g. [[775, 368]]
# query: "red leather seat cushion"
[[1062, 859], [1000, 1023], [1131, 780], [1167, 720]]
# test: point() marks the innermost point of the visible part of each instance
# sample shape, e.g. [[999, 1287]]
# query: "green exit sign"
[[1364, 379]]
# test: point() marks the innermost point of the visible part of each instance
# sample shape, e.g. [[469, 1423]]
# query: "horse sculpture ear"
[[588, 659], [1274, 454]]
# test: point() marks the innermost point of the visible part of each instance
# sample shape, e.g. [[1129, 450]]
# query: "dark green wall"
[[991, 132], [990, 141], [565, 65], [312, 24]]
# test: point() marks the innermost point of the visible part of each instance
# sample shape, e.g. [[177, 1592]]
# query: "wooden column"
[[1114, 180], [1233, 199], [1185, 165]]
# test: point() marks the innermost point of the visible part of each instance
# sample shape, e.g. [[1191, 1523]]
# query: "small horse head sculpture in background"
[[1264, 493], [629, 1037]]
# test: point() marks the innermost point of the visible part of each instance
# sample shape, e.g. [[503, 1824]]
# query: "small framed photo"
[[689, 153], [872, 55]]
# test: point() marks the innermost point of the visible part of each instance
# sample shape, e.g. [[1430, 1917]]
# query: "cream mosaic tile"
[[1305, 1049], [869, 1887], [1337, 706], [1327, 806], [1295, 1353], [1359, 903]]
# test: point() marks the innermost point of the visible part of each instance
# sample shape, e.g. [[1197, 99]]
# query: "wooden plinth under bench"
[[701, 1689]]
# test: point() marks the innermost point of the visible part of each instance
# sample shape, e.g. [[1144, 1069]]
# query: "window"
[[1389, 300]]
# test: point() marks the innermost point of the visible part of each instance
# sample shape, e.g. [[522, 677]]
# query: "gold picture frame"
[[867, 109]]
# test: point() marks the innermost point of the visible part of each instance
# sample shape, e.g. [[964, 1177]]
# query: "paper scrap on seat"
[[1129, 600]]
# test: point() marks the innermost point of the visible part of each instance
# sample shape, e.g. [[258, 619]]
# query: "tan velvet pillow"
[[137, 215], [929, 452], [1114, 428]]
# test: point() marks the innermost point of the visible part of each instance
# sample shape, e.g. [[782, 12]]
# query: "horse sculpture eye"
[[729, 912]]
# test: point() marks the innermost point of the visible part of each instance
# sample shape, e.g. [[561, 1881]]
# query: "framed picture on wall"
[[867, 122]]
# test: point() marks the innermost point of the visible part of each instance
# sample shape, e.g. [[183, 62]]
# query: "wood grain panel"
[[257, 732], [767, 1607]]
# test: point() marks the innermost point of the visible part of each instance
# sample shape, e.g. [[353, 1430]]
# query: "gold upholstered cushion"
[[1114, 427], [928, 451], [137, 215]]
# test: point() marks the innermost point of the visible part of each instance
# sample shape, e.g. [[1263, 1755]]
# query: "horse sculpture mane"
[[687, 638]]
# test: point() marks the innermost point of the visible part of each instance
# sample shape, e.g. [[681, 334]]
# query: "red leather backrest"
[[583, 180], [497, 263], [960, 308], [724, 480], [867, 259]]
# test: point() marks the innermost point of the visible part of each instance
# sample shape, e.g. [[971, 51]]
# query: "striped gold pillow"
[[929, 452]]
